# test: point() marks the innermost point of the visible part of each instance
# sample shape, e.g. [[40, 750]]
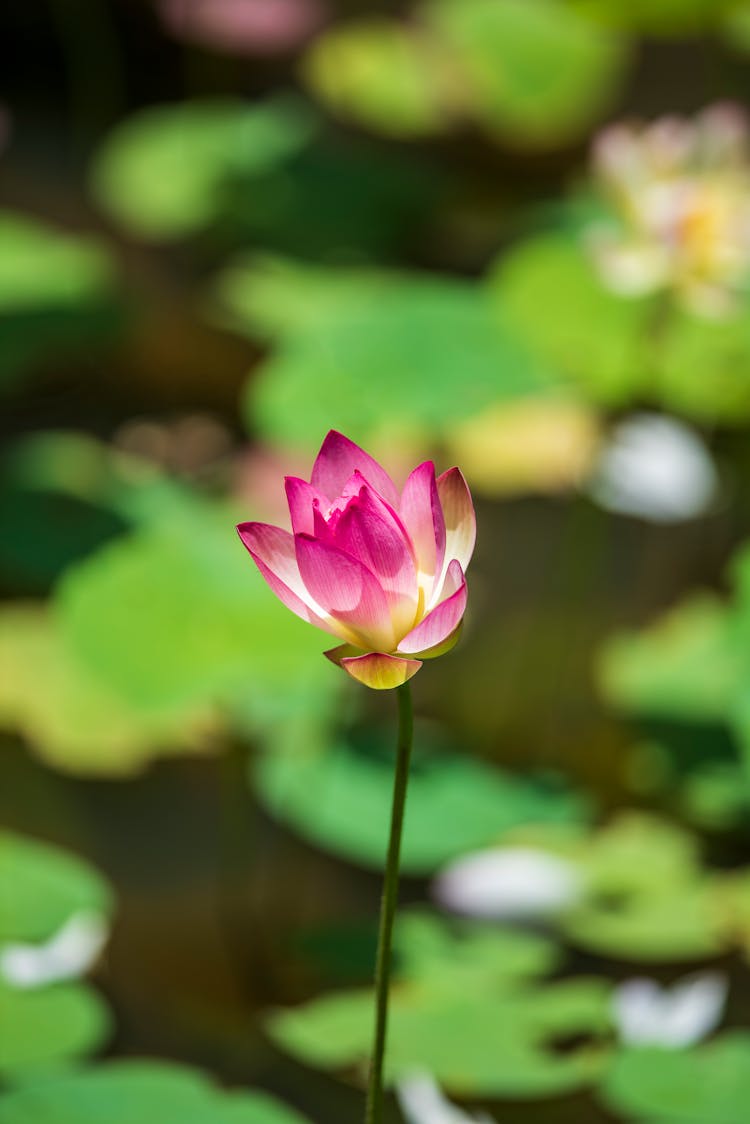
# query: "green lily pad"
[[647, 898], [56, 291], [186, 593], [43, 886], [484, 1031], [710, 1082], [369, 339], [380, 73], [684, 666], [338, 797], [48, 1028], [593, 337], [79, 723], [49, 1025], [532, 71], [162, 172], [139, 1092], [666, 17]]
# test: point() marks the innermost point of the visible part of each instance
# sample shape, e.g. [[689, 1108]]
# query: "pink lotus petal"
[[371, 531], [242, 26], [423, 516], [379, 671], [337, 461], [348, 592], [460, 519], [444, 619], [301, 498], [273, 551]]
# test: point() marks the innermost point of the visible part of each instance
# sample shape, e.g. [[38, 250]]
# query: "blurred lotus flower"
[[655, 468], [647, 1014], [382, 571], [243, 27], [68, 954], [504, 882], [681, 192], [422, 1103]]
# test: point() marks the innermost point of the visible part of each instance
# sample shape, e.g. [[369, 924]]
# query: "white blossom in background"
[[508, 882], [647, 1014], [70, 953], [655, 468], [679, 190], [422, 1102]]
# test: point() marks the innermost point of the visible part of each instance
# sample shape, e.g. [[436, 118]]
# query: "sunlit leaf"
[[43, 886], [685, 665], [78, 722], [339, 796], [162, 172], [707, 1082], [663, 17], [367, 340], [647, 898], [177, 614], [550, 291], [139, 1092], [56, 290], [47, 1028], [382, 74], [480, 1030], [532, 71]]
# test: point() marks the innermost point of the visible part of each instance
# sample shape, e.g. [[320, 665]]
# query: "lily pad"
[[186, 593], [369, 339], [383, 74], [48, 1028], [139, 1092], [79, 723], [647, 898], [43, 887], [707, 1082], [338, 797], [487, 1031], [684, 666], [56, 291], [163, 172], [48, 1025], [531, 71]]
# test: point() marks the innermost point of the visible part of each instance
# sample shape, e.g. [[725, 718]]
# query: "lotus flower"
[[381, 570], [681, 191]]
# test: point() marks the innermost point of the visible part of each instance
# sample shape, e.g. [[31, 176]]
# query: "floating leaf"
[[47, 1028], [710, 1082], [620, 349], [55, 291], [479, 1030], [369, 339], [683, 666], [647, 897], [382, 74], [186, 595], [139, 1092], [591, 336], [666, 17], [162, 172], [43, 887], [78, 722], [532, 71], [339, 797]]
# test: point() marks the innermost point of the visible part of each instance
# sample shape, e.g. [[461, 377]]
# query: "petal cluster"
[[681, 191], [381, 570]]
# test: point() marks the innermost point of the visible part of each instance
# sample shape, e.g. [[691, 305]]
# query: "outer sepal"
[[375, 669]]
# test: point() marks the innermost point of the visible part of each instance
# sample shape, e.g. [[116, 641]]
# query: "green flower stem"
[[374, 1110]]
